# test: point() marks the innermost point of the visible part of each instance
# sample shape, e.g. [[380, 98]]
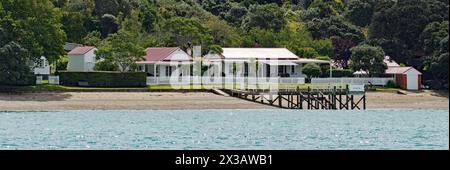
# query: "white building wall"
[[179, 55], [82, 63], [76, 63], [90, 60]]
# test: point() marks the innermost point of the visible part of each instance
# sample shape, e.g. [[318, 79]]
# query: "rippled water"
[[226, 129]]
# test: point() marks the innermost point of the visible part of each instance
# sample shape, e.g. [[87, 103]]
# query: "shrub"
[[104, 79], [308, 53], [312, 70], [106, 65], [391, 84], [325, 58]]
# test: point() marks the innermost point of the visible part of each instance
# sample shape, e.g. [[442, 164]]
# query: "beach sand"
[[197, 100]]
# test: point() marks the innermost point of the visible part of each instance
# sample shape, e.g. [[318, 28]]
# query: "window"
[[168, 70]]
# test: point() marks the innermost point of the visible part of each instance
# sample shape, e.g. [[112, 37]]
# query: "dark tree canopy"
[[399, 28], [265, 16]]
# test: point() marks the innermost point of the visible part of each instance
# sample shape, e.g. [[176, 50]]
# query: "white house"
[[42, 67], [272, 62], [163, 62], [82, 59]]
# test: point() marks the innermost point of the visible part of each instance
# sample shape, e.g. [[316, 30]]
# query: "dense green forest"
[[412, 32]]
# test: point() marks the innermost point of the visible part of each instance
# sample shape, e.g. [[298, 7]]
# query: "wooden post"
[[334, 98], [352, 102], [364, 102], [280, 102], [309, 98]]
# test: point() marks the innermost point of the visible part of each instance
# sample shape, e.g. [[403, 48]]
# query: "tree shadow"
[[440, 93], [39, 97]]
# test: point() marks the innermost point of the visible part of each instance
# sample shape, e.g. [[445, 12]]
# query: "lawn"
[[383, 89]]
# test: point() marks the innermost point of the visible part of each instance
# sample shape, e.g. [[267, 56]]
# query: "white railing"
[[38, 80], [196, 80], [352, 81]]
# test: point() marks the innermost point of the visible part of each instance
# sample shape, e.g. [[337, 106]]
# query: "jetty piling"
[[331, 98]]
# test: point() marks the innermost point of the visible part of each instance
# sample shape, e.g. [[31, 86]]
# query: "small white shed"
[[407, 78], [82, 59]]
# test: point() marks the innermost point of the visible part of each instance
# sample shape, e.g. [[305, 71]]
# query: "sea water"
[[226, 129]]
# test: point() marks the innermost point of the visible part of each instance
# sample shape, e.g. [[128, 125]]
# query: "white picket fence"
[[352, 81], [194, 80], [53, 80]]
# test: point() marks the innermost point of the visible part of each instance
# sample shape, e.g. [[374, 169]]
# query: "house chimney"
[[197, 52]]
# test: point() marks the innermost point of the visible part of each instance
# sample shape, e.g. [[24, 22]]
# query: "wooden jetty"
[[311, 99]]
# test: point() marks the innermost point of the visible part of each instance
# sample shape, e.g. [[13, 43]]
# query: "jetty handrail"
[[380, 81]]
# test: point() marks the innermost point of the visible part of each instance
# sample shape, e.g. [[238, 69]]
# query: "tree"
[[28, 30], [312, 70], [368, 58], [360, 12], [435, 41], [342, 51], [335, 26], [432, 36], [13, 70], [122, 48], [222, 33], [149, 16], [215, 49], [185, 32], [73, 25], [268, 16], [398, 28], [109, 25], [92, 39], [37, 27], [103, 7], [325, 8], [216, 7], [235, 15]]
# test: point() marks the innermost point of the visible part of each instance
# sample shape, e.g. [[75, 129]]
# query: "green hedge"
[[103, 79], [339, 73], [24, 80]]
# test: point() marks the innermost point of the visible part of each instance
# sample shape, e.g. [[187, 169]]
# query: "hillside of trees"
[[412, 32]]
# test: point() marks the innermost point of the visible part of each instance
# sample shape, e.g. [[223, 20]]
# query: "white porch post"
[[154, 73], [331, 70]]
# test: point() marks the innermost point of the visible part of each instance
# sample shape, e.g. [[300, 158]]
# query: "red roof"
[[81, 50], [159, 54], [400, 70]]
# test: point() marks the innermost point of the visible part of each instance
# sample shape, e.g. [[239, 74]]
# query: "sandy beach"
[[197, 100]]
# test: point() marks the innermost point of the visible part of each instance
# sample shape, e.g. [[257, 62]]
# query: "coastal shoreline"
[[51, 101]]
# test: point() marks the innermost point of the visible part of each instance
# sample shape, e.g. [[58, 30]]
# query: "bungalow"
[[82, 59], [163, 62], [272, 62]]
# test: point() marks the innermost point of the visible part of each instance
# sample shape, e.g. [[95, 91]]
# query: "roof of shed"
[[81, 50]]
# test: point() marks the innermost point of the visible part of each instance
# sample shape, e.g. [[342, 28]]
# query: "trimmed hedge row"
[[339, 73], [25, 80], [103, 79]]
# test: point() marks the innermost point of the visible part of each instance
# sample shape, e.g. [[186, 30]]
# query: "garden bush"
[[391, 84]]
